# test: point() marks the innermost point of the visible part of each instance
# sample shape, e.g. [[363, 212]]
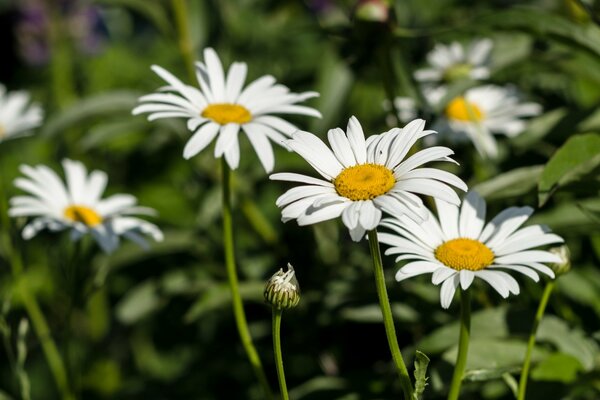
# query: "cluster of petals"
[[512, 247], [79, 206], [17, 115], [250, 109], [319, 200]]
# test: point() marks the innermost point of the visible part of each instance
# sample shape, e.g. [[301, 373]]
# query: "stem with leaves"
[[388, 319]]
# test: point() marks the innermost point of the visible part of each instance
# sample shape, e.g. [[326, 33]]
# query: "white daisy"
[[460, 247], [221, 107], [365, 177], [454, 62], [480, 113], [79, 206], [17, 115]]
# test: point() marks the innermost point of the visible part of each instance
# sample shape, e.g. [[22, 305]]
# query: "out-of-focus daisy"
[[17, 115], [221, 107], [458, 246], [455, 62], [365, 177], [480, 113], [79, 206]]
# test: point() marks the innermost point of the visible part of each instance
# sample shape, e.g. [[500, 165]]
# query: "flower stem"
[[277, 349], [180, 12], [538, 317], [55, 362], [463, 344], [238, 306], [388, 320]]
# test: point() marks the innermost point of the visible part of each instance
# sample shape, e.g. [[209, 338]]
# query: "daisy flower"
[[454, 62], [480, 113], [221, 107], [79, 206], [17, 116], [458, 246], [365, 177]]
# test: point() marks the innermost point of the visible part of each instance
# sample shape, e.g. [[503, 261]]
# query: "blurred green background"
[[158, 324]]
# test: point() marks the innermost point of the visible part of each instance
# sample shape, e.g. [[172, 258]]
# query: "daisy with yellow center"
[[479, 114], [79, 206], [453, 62], [17, 116], [220, 107], [363, 177], [458, 246]]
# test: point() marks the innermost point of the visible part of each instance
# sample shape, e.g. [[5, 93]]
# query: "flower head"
[[364, 177], [481, 112], [79, 206], [17, 116], [458, 246], [221, 107], [282, 290], [454, 62]]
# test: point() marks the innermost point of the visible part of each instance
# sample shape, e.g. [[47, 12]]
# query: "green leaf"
[[492, 353], [421, 363], [539, 127], [317, 385], [117, 102], [559, 367], [510, 184], [546, 25], [577, 157], [139, 302], [372, 313], [569, 341], [487, 374]]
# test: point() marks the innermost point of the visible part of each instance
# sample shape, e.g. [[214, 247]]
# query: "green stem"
[[530, 344], [277, 349], [238, 306], [388, 320], [40, 326], [463, 344], [180, 12]]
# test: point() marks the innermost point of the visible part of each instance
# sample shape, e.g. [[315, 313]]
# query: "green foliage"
[[421, 363]]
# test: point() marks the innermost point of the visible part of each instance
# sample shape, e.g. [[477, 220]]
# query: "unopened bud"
[[564, 266], [282, 290]]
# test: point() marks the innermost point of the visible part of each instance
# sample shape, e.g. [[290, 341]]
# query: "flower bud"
[[282, 290], [564, 266]]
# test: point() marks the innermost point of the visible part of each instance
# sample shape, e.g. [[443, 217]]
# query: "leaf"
[[569, 341], [117, 102], [489, 323], [510, 184], [421, 363], [138, 303], [318, 384], [486, 374], [372, 313], [559, 367], [546, 25], [539, 127], [492, 353], [577, 157]]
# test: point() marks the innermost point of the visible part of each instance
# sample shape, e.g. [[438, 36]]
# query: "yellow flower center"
[[83, 214], [457, 72], [464, 253], [463, 110], [225, 113], [364, 182]]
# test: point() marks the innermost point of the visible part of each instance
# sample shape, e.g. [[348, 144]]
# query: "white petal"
[[341, 147], [448, 215], [472, 216], [356, 137], [369, 216], [215, 73], [466, 278], [235, 80], [447, 291], [227, 138], [261, 146], [292, 177], [200, 139]]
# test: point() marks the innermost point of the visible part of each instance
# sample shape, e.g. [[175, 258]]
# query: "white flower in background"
[[480, 113], [460, 246], [221, 107], [455, 62], [365, 177], [79, 206], [17, 115]]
